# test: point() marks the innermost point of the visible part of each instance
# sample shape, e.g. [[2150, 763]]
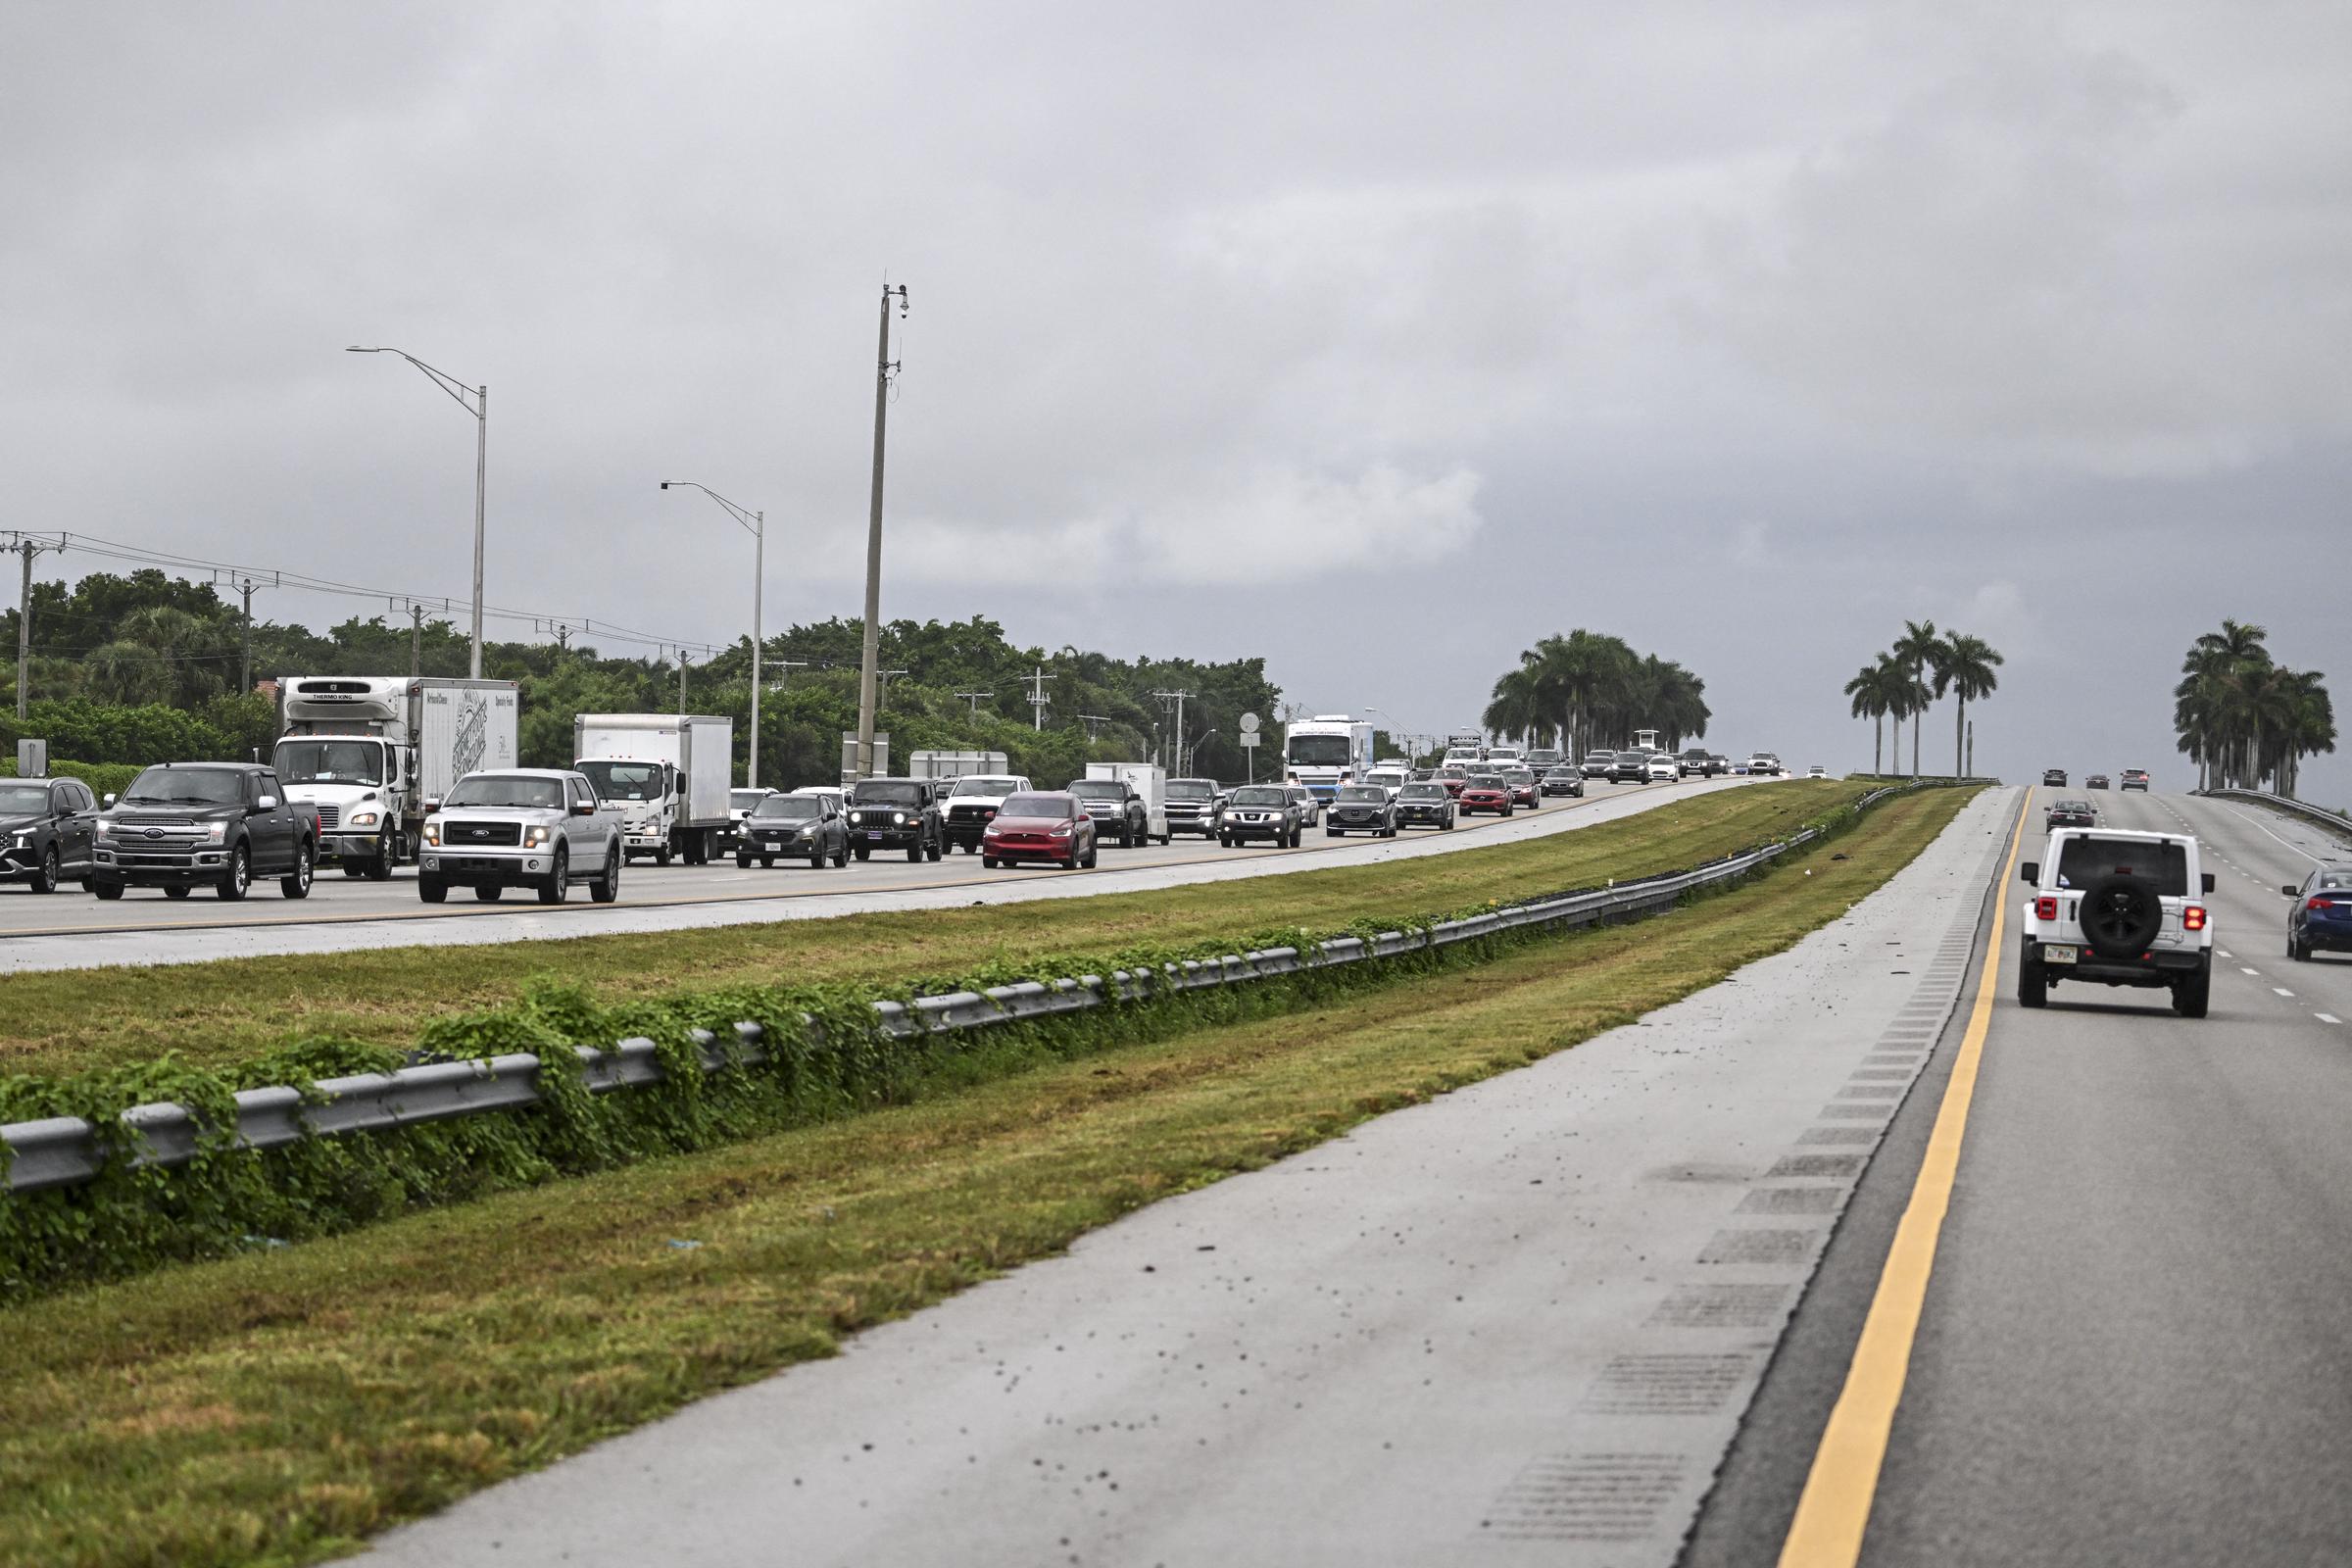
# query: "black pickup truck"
[[185, 825]]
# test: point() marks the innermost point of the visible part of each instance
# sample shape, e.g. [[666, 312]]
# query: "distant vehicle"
[[1426, 804], [1817, 772], [1764, 762], [1693, 762], [1310, 804], [1454, 775], [2070, 813], [1487, 793], [1562, 779], [1192, 806], [2121, 908], [739, 807], [1503, 757], [1391, 779], [1718, 764], [668, 773], [366, 751], [1041, 825], [2096, 781], [1361, 808], [1543, 758], [800, 826], [1267, 811], [2320, 920], [973, 802], [185, 825], [526, 827], [1325, 751], [2054, 777], [1148, 783], [831, 792], [1598, 764], [1663, 769], [895, 814], [2135, 778], [1526, 788], [1630, 767], [48, 832], [1462, 756]]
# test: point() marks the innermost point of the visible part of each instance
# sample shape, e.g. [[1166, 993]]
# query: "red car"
[[1485, 793], [1453, 778], [1526, 789], [1039, 826]]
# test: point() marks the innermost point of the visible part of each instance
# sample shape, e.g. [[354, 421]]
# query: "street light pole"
[[757, 524], [871, 659], [479, 407]]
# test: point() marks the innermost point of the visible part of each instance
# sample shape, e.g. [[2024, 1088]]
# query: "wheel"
[[296, 884], [238, 878], [989, 862], [180, 892], [841, 856], [1446, 826], [488, 893], [932, 854], [2193, 994], [101, 888], [1126, 835], [1298, 835], [1225, 840], [698, 848], [915, 853], [1506, 808], [863, 851], [45, 879], [606, 888], [2032, 983], [1166, 839], [431, 888], [353, 870], [387, 856], [743, 863], [661, 856], [558, 886], [1092, 856], [1331, 833]]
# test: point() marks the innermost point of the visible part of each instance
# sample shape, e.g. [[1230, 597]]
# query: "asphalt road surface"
[[71, 929], [2135, 1345]]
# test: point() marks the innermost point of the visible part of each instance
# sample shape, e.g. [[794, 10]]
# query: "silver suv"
[[528, 827], [2119, 909]]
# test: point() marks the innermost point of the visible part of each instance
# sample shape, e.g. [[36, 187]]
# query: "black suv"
[[45, 831], [895, 814], [219, 825]]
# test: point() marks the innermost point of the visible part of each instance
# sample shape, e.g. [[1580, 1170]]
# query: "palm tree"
[[1517, 708], [1918, 649], [1869, 702], [1967, 668]]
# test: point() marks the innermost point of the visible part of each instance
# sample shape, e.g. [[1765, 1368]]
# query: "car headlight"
[[534, 837], [805, 833], [217, 831], [363, 819], [23, 841], [1062, 832], [433, 834], [898, 818], [856, 816]]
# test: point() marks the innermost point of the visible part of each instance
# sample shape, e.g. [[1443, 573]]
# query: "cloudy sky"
[[1379, 340]]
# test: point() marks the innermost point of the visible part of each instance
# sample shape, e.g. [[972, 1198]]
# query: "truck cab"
[[2117, 908]]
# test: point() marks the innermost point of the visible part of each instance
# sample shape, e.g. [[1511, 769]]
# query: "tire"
[[1331, 833], [743, 863], [1506, 808], [45, 880], [661, 856], [558, 886], [2032, 983], [988, 862], [1225, 841], [1126, 835], [432, 890], [487, 892], [605, 889], [1093, 856], [2194, 995], [180, 892], [235, 880], [915, 853], [1297, 836], [865, 851], [2121, 916], [932, 854], [2296, 950], [1446, 826], [387, 856], [101, 888], [296, 884], [841, 856]]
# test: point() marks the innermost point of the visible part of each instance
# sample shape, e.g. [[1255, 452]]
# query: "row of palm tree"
[[1922, 668], [2246, 719], [1587, 689]]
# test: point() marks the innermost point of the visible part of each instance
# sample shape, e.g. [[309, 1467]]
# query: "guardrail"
[[68, 1151], [2285, 802]]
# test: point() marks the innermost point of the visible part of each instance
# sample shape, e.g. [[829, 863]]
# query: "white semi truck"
[[1326, 751], [368, 751], [668, 776]]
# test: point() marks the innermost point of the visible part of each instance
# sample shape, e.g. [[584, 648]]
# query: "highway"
[[71, 929]]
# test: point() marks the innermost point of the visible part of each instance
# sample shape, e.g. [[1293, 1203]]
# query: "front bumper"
[[18, 861], [195, 866], [1203, 824], [865, 835], [1340, 822], [357, 846], [1031, 847], [472, 864], [1423, 817], [757, 845]]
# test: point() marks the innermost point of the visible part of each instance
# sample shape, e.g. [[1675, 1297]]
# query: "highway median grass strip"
[[283, 1405], [217, 1015]]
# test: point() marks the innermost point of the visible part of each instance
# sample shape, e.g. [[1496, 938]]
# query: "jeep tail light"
[[2192, 918], [2045, 908]]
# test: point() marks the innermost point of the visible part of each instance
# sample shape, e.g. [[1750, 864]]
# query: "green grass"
[[213, 1015], [281, 1405]]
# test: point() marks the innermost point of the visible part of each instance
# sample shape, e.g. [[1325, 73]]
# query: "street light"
[[479, 407], [757, 524]]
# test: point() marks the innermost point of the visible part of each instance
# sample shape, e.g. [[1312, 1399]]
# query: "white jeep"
[[2121, 908]]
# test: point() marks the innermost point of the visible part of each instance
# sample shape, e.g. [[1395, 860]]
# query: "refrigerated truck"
[[667, 775], [370, 752]]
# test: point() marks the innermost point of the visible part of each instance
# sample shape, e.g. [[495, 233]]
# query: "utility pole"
[[1039, 702], [1090, 720], [1177, 698], [27, 547], [681, 682], [975, 699], [871, 659], [416, 640], [245, 667]]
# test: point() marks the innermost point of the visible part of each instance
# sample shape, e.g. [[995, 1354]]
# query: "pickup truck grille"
[[465, 835], [972, 814]]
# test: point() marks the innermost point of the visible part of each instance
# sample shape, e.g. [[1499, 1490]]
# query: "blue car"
[[2320, 919]]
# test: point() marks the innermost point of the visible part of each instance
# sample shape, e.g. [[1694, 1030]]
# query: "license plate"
[[2060, 955], [875, 837]]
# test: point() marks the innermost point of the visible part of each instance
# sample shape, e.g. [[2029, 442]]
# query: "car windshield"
[[1097, 789], [1319, 750], [2074, 806], [790, 808], [980, 784], [2083, 862], [1364, 794], [186, 786], [745, 799], [331, 761], [508, 789], [1190, 789], [1562, 772], [1485, 781], [626, 781], [1422, 792], [883, 792], [1631, 759], [1055, 807], [1262, 795], [23, 800]]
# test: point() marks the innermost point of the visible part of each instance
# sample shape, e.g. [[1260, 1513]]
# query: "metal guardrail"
[[68, 1151], [2285, 802]]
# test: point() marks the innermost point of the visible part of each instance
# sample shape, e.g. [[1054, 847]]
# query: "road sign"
[[1250, 740], [1249, 724]]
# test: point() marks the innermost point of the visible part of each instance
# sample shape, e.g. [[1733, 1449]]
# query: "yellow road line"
[[1835, 1511]]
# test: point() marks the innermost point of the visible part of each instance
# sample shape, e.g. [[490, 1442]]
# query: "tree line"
[[145, 667], [1921, 669], [1589, 690], [2245, 719]]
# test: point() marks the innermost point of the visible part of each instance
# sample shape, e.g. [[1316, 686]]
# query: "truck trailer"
[[369, 752]]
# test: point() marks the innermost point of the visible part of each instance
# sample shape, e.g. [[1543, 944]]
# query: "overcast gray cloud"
[[1381, 340]]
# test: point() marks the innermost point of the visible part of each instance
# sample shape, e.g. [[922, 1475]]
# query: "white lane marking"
[[2242, 969], [2230, 955], [2258, 828], [2326, 1017], [2283, 991]]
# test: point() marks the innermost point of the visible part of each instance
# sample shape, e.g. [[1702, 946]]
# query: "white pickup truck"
[[2118, 908]]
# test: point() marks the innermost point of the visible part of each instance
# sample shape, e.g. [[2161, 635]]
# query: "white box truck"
[[668, 777], [368, 751], [1148, 782]]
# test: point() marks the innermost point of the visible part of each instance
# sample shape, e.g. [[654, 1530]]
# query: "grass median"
[[213, 1015], [281, 1405]]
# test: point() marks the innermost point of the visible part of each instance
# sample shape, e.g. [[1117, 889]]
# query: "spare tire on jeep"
[[2122, 916]]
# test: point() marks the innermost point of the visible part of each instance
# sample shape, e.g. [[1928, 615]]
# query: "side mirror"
[[111, 799], [2029, 873], [433, 803], [2207, 879], [2290, 889], [265, 803], [583, 809]]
